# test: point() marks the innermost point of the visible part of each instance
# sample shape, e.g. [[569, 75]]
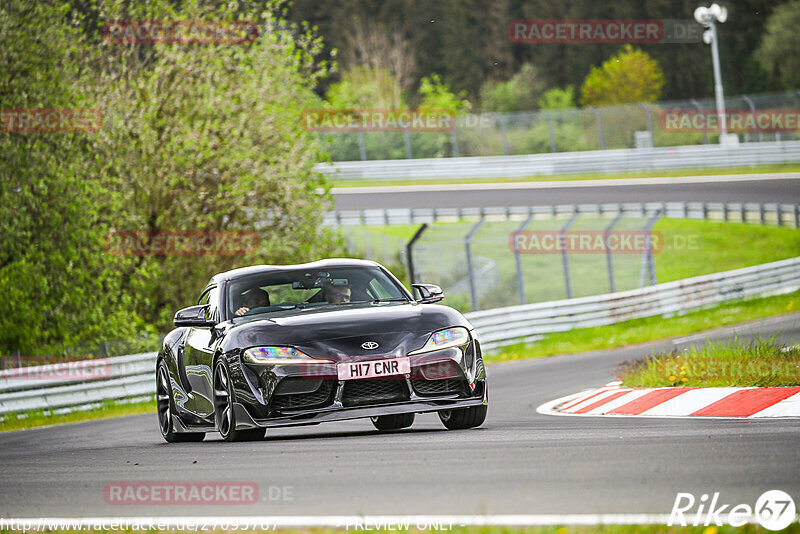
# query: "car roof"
[[264, 269]]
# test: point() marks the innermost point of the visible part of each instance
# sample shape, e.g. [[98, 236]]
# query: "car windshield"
[[302, 288]]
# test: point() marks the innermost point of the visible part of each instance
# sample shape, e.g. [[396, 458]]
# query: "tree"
[[558, 98], [210, 138], [365, 88], [630, 76], [59, 288], [435, 94], [778, 51], [521, 93], [378, 48]]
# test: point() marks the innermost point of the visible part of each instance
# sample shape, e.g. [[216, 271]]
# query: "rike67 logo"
[[773, 510]]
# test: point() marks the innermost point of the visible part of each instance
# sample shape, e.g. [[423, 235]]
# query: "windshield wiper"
[[397, 299]]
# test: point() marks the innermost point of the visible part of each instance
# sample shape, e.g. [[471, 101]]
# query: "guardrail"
[[619, 160], [62, 385], [135, 375], [749, 212]]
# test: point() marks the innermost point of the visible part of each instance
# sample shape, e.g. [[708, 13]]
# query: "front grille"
[[362, 392], [437, 387], [322, 396]]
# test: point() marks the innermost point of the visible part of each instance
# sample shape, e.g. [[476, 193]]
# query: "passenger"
[[255, 298]]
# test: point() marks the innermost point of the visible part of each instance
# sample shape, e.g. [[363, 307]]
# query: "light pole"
[[708, 17]]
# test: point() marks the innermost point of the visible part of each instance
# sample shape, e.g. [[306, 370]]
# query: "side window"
[[213, 304], [377, 290], [210, 297]]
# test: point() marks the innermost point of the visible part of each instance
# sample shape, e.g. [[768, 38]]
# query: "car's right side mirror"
[[429, 293]]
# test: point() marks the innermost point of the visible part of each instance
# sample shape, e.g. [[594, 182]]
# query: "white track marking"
[[616, 403], [691, 401], [786, 408]]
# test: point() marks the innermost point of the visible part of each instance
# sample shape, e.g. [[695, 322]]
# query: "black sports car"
[[301, 344]]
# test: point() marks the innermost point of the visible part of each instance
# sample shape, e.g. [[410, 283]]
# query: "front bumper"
[[337, 412]]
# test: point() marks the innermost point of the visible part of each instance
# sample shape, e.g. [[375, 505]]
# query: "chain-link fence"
[[484, 263], [491, 264], [487, 258], [569, 130]]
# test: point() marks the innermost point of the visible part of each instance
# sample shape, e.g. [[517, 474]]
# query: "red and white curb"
[[615, 400]]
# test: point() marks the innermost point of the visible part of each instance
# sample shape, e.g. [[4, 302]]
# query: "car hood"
[[340, 332]]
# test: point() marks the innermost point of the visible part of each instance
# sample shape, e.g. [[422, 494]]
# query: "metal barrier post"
[[697, 105], [407, 143], [411, 275], [520, 280], [362, 146], [550, 131], [473, 298], [564, 261], [599, 122], [501, 121], [648, 256], [753, 113], [649, 122], [609, 263]]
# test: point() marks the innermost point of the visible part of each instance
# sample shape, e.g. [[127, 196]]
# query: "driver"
[[255, 298], [336, 294]]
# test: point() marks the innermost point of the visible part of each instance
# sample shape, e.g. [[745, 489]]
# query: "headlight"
[[445, 339], [279, 356]]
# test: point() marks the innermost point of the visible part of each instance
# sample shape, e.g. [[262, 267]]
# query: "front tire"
[[165, 407], [393, 422], [464, 417], [224, 416]]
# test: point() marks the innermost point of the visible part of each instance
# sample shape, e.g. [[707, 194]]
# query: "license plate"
[[373, 369]]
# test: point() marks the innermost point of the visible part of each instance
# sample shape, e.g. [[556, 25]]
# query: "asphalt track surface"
[[754, 189], [518, 462]]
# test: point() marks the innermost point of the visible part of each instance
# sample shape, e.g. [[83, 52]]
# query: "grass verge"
[[648, 329], [22, 421], [789, 167], [758, 363]]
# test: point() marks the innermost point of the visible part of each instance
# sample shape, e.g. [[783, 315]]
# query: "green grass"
[[789, 167], [648, 329], [40, 418], [694, 247], [758, 363]]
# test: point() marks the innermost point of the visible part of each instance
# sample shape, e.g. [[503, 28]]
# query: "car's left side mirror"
[[429, 293], [193, 316]]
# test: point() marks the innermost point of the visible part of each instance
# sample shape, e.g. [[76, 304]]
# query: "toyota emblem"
[[369, 345]]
